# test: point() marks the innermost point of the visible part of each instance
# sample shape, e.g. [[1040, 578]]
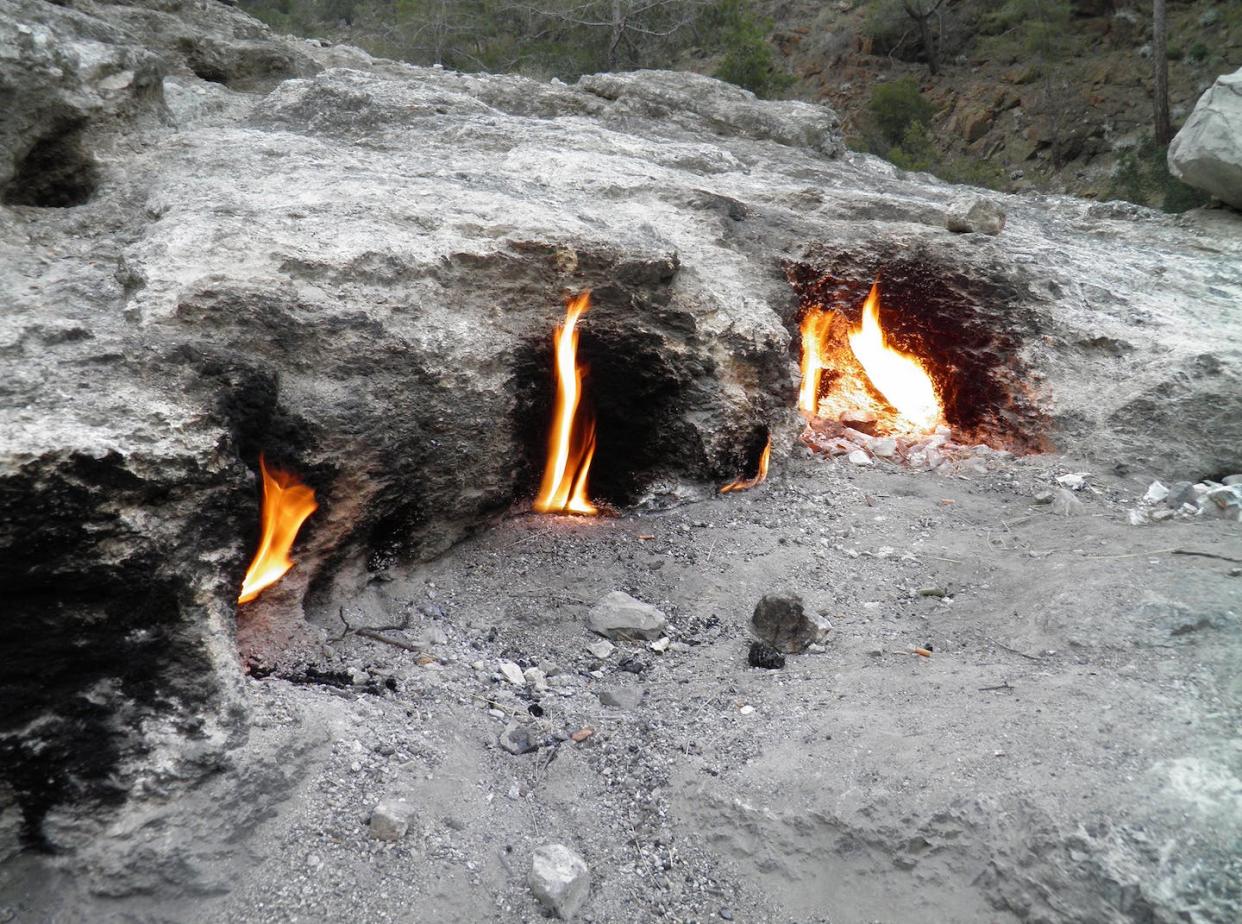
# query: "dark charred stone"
[[781, 621], [761, 654]]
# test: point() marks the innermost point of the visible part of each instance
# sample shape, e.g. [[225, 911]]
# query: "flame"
[[743, 484], [814, 358], [286, 505], [899, 377], [571, 445]]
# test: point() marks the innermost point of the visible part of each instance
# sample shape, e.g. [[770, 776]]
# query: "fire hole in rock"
[[629, 383], [56, 172], [910, 360]]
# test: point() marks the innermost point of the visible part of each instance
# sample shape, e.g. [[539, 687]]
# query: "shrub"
[[1198, 53], [748, 59], [897, 105], [1141, 175]]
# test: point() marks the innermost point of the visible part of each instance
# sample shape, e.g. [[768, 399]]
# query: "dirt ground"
[[1069, 752]]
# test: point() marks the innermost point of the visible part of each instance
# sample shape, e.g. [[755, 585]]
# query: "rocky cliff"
[[217, 242]]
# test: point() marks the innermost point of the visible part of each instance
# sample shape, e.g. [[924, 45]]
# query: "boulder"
[[560, 879], [975, 215], [619, 616], [781, 621], [1207, 152]]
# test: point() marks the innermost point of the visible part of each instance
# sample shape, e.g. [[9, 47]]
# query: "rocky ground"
[[1066, 753]]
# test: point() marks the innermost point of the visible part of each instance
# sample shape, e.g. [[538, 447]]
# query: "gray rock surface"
[[560, 879], [1207, 152], [619, 616], [390, 819], [782, 621], [216, 242]]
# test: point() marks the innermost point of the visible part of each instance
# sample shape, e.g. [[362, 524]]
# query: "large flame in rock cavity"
[[814, 358], [899, 377], [743, 484], [571, 445], [286, 505]]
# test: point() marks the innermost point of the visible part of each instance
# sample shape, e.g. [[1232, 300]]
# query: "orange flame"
[[814, 358], [286, 505], [899, 377], [743, 484], [571, 445]]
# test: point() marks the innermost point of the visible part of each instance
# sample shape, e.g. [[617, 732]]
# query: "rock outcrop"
[[215, 242], [1207, 152]]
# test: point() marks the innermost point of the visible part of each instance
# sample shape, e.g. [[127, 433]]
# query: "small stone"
[[1224, 502], [628, 698], [1136, 517], [1161, 515], [1042, 497], [726, 914], [782, 622], [632, 665], [933, 592], [747, 710], [1156, 492], [512, 673], [620, 616], [582, 734], [390, 819], [862, 421], [560, 879], [516, 739], [536, 678], [1075, 481], [1182, 492], [884, 447], [601, 649], [975, 215], [860, 457], [1066, 504], [762, 654], [660, 645]]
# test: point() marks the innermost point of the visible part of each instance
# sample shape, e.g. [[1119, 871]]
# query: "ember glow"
[[286, 505], [743, 484], [814, 358], [899, 377], [571, 444]]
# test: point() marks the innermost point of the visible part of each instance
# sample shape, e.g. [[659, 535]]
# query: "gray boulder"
[[975, 215], [560, 879], [619, 616], [1207, 152]]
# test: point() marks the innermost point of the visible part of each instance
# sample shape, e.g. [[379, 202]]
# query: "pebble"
[[516, 739], [747, 710], [660, 645], [860, 457], [390, 819], [601, 649], [782, 622], [512, 673], [628, 698], [1156, 492]]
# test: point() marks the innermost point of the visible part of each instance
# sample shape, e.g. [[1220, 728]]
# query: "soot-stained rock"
[[781, 621], [761, 654]]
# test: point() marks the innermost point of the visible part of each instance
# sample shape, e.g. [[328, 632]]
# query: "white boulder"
[[1207, 152]]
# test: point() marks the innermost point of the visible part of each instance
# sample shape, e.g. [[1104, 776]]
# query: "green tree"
[[749, 60], [895, 106]]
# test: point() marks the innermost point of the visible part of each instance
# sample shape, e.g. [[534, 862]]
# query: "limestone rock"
[[1207, 152], [560, 879], [976, 215], [781, 621], [619, 616], [390, 819]]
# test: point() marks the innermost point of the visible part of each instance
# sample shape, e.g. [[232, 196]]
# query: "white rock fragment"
[[560, 879], [885, 447], [601, 649], [1137, 517], [536, 678], [747, 710], [390, 819], [859, 457], [620, 616], [660, 645], [512, 673], [1156, 492], [1075, 481]]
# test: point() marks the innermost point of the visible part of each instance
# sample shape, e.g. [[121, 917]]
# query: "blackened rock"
[[782, 622], [633, 665], [764, 655]]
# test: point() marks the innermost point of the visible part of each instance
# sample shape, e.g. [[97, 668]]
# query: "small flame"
[[899, 377], [743, 484], [571, 445], [286, 505], [814, 358]]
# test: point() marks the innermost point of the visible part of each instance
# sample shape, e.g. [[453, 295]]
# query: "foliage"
[[885, 25], [919, 151], [749, 61], [895, 106], [1198, 53], [1141, 175]]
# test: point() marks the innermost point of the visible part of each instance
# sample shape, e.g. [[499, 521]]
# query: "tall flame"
[[571, 445], [743, 484], [814, 358], [900, 378], [286, 505]]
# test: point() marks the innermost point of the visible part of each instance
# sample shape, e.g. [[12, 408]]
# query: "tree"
[[625, 23], [921, 11], [1160, 58]]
